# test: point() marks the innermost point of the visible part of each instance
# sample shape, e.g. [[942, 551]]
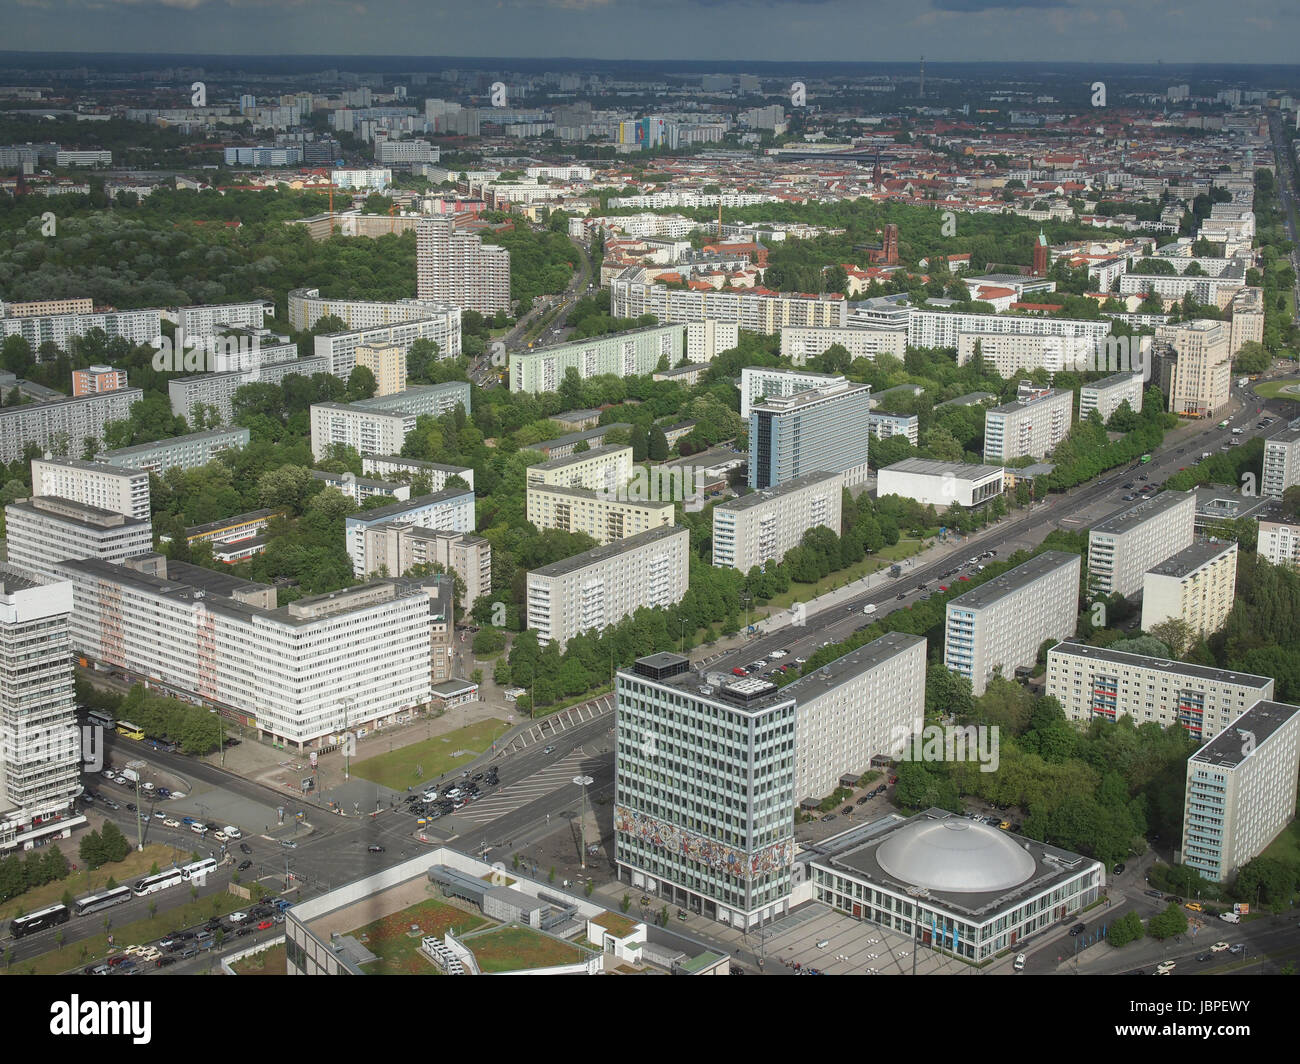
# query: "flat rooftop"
[[584, 456], [781, 404], [1016, 579], [1145, 661], [609, 550], [393, 511], [234, 519], [577, 437], [1286, 436], [1188, 560], [971, 399], [757, 498], [753, 693], [1257, 725], [1133, 517], [1016, 405], [931, 467], [1115, 380], [209, 435]]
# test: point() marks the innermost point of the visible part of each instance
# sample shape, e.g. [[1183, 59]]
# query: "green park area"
[[515, 948], [271, 961], [1285, 389], [397, 948], [428, 760]]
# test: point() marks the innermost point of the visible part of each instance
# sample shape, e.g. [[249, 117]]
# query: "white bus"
[[101, 718], [199, 868], [161, 881], [92, 903]]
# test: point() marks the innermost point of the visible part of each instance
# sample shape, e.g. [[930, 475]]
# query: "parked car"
[[245, 865], [1118, 869], [245, 848], [1019, 964], [1076, 930], [828, 818], [374, 849]]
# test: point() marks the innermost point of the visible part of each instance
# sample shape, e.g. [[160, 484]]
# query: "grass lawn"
[[434, 757], [269, 962], [83, 882], [509, 949], [1275, 389], [398, 952], [1286, 847], [79, 954], [904, 548]]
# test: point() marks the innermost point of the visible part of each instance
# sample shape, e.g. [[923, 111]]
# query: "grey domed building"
[[946, 880]]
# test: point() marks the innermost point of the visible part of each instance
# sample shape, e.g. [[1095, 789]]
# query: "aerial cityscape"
[[649, 514]]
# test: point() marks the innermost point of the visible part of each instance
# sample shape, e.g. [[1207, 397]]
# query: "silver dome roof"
[[955, 855]]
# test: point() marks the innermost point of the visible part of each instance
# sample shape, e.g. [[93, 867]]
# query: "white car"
[[1165, 968], [178, 794], [1218, 947], [199, 829], [171, 823], [221, 836], [237, 918], [778, 653], [1020, 962]]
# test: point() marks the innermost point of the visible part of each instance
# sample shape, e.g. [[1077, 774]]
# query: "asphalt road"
[[1082, 506]]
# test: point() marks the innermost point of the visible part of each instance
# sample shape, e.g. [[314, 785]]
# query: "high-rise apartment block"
[[387, 362], [603, 515], [96, 379], [1001, 624], [456, 267], [1279, 542], [1030, 427], [178, 452], [632, 294], [45, 530], [1109, 394], [764, 524], [822, 430], [39, 749], [638, 352], [124, 491], [394, 547], [760, 383], [449, 510], [1196, 585], [705, 790], [63, 425], [1281, 463], [1200, 369], [1095, 682], [1241, 790], [302, 673], [1122, 548], [599, 587], [599, 469]]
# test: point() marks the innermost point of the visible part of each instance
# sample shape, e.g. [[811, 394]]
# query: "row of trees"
[[20, 874]]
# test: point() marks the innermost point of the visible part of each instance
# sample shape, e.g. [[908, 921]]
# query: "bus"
[[92, 903], [39, 920], [131, 731], [199, 868], [161, 881], [101, 718], [1144, 460]]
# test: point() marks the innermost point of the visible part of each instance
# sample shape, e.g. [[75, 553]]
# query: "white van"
[[232, 832], [199, 829]]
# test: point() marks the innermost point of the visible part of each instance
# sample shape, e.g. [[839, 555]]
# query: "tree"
[[1171, 922], [1175, 633], [947, 693], [361, 384], [1128, 928], [115, 846], [92, 850], [657, 445], [1252, 357]]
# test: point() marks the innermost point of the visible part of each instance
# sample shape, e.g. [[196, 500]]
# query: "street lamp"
[[583, 781], [347, 704]]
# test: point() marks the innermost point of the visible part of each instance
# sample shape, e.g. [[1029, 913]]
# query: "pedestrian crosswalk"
[[515, 795]]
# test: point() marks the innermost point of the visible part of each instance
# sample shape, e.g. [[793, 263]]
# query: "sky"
[[1126, 31]]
